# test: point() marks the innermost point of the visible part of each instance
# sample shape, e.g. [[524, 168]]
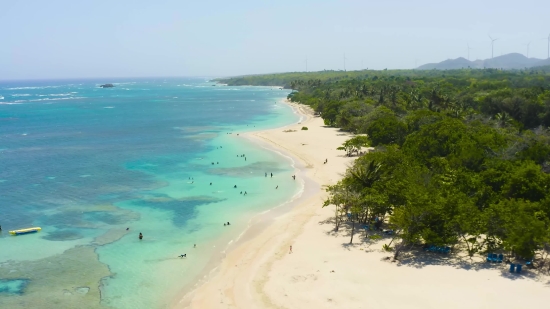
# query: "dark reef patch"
[[63, 235], [251, 170]]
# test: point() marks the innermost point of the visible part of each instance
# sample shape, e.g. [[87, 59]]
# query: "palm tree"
[[503, 119], [367, 174]]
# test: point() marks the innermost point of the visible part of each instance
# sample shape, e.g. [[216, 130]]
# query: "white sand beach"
[[325, 271]]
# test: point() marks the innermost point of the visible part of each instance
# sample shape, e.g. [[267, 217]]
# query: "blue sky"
[[75, 39]]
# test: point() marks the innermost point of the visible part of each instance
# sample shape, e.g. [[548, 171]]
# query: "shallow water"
[[94, 167]]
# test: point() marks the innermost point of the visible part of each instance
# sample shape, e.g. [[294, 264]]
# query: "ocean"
[[94, 167]]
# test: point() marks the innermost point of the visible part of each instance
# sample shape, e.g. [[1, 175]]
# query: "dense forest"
[[461, 158]]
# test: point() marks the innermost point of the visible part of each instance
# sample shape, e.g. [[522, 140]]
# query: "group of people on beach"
[[235, 186]]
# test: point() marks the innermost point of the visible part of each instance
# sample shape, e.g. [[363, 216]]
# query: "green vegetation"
[[461, 157], [304, 128], [354, 145]]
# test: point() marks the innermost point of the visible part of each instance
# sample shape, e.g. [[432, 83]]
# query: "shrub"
[[304, 128]]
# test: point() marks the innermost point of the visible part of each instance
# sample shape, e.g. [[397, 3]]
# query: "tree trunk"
[[336, 217], [352, 230]]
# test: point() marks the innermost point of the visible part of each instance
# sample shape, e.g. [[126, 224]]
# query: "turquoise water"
[[95, 167]]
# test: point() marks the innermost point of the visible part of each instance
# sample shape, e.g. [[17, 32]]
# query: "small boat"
[[25, 231]]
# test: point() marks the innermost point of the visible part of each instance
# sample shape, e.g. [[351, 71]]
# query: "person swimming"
[[277, 187], [140, 236], [241, 192], [228, 223], [235, 186], [210, 183], [245, 193]]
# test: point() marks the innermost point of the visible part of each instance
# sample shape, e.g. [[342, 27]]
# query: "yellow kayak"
[[25, 231]]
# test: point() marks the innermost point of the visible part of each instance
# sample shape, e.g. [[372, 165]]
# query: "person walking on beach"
[[183, 255], [140, 236], [289, 252]]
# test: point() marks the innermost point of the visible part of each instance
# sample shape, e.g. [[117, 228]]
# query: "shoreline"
[[326, 271], [258, 222], [264, 225]]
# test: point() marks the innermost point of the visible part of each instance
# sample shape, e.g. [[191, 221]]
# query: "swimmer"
[[224, 224], [228, 223], [235, 186], [265, 174], [245, 193], [271, 175], [277, 187], [140, 236], [126, 228], [195, 245], [183, 255], [210, 183], [241, 192]]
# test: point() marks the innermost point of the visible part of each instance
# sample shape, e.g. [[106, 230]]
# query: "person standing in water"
[[271, 175], [140, 236]]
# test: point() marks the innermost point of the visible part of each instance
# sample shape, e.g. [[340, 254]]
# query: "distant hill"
[[507, 62]]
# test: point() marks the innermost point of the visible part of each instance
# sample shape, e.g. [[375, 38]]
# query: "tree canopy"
[[460, 156]]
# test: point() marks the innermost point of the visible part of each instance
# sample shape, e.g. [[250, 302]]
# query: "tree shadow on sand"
[[415, 256]]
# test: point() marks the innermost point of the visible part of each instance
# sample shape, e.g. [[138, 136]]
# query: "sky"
[[133, 38]]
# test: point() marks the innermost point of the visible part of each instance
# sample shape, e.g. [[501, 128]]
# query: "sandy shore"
[[325, 271]]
